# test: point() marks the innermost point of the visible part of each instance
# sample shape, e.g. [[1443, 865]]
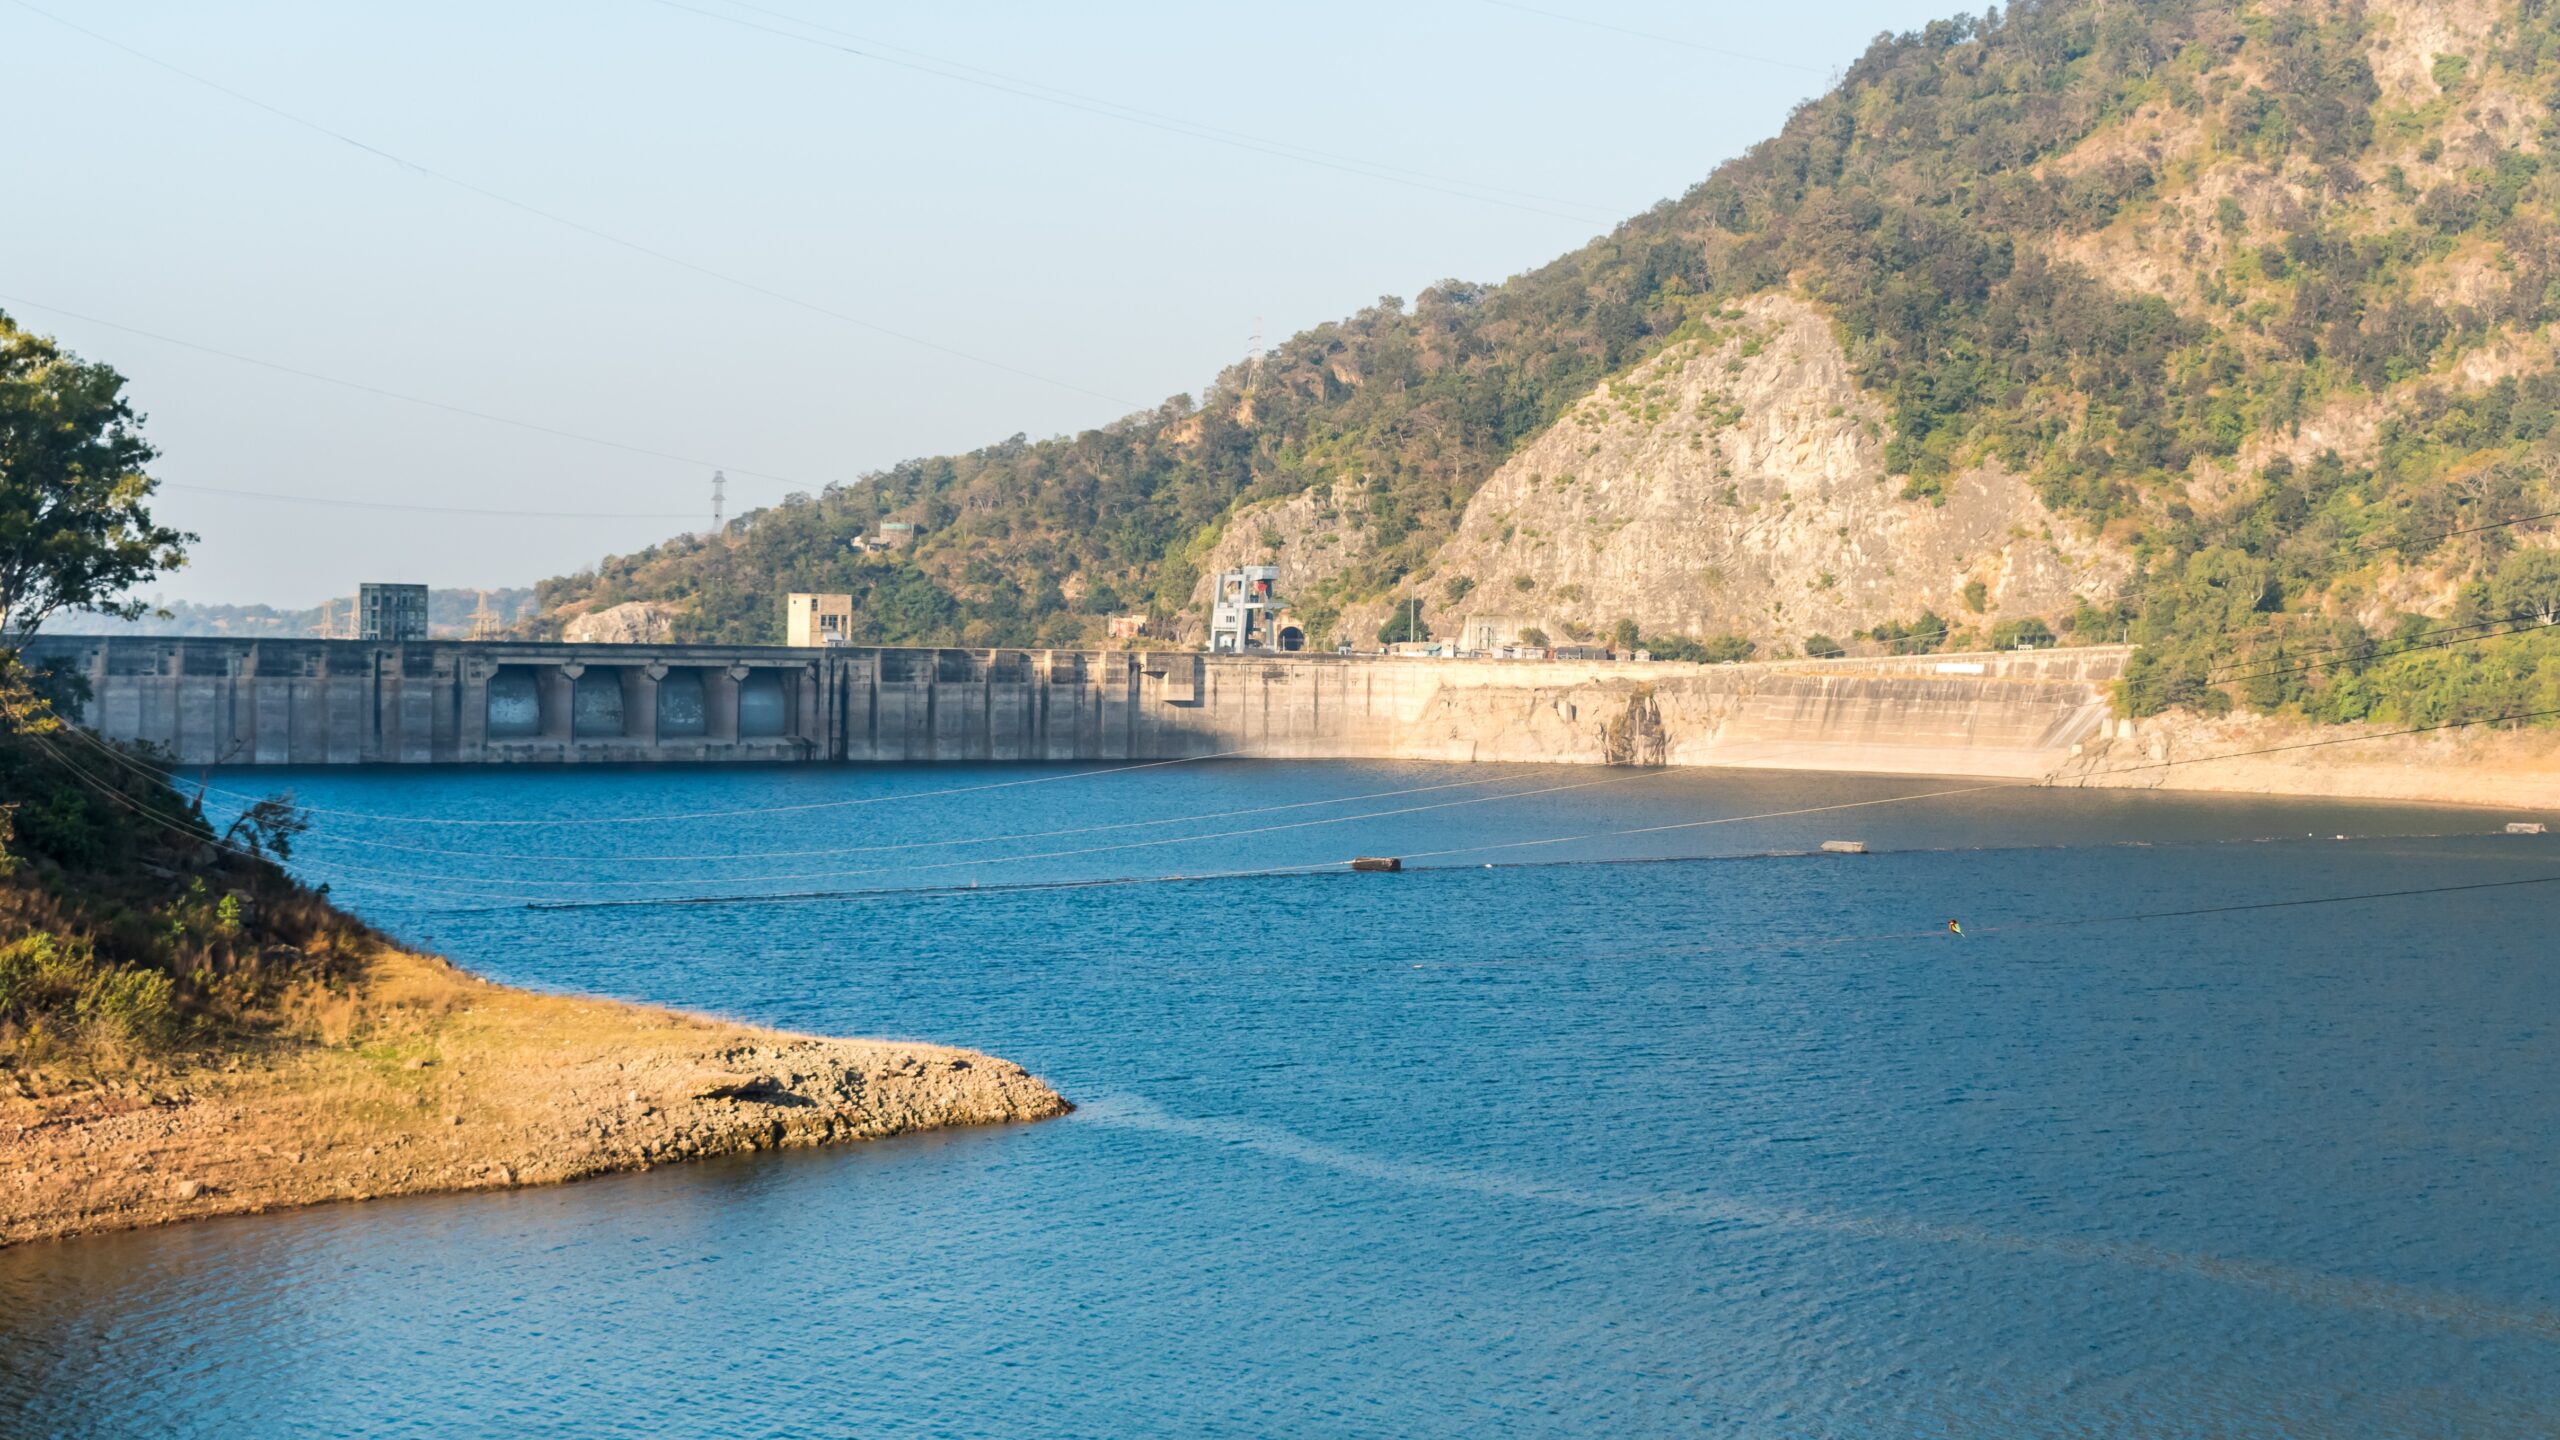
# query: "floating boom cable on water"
[[1344, 865], [195, 835], [1115, 848], [752, 809], [728, 857]]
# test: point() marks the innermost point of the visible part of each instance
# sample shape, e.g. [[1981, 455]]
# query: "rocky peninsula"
[[418, 1077]]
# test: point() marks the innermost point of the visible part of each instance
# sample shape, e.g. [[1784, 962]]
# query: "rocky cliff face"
[[1316, 538], [1735, 483], [634, 622]]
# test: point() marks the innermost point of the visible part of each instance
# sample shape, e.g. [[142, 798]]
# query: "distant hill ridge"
[[449, 613], [2225, 327]]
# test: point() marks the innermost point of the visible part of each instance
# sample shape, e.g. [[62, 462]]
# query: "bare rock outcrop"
[[634, 622], [1736, 484]]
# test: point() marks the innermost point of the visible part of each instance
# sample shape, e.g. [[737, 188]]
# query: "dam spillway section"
[[220, 701]]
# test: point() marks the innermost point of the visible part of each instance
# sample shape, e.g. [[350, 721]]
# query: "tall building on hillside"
[[1249, 614], [809, 620], [391, 612]]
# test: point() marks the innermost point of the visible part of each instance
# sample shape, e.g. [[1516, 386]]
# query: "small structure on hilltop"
[[1129, 627], [391, 612], [812, 620], [894, 535], [1248, 613]]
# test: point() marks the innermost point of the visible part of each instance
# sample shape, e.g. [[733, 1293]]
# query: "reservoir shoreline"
[[420, 1078]]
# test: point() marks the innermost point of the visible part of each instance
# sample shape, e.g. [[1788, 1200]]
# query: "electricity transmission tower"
[[719, 497]]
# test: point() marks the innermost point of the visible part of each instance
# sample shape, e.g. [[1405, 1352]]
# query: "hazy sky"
[[1120, 259]]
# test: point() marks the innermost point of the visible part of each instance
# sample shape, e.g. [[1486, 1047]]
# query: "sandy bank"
[[2516, 770], [422, 1078]]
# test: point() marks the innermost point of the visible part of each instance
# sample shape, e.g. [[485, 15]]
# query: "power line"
[[1083, 851], [964, 74], [2516, 718], [338, 503], [2139, 583], [1939, 794], [357, 385], [1650, 35], [1209, 130], [2430, 540], [1315, 867], [636, 247], [2519, 626], [735, 856], [1938, 932], [2284, 651], [202, 837], [167, 776]]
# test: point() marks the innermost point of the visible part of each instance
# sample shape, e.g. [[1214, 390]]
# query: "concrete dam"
[[204, 702]]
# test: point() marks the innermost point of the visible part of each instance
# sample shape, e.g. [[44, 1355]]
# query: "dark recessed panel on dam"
[[595, 707], [515, 704], [681, 712], [763, 709]]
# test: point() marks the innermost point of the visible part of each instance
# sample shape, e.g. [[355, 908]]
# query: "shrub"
[[2021, 634], [1404, 623], [135, 1006], [40, 977], [1720, 650]]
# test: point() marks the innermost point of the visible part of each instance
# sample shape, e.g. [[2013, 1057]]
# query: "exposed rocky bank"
[[422, 1078]]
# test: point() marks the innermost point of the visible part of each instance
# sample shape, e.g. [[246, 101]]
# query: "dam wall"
[[342, 702]]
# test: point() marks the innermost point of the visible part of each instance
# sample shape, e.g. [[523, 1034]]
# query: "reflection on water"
[[1744, 1146]]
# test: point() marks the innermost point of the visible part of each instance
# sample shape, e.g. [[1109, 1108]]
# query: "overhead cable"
[[876, 52], [442, 177], [452, 409]]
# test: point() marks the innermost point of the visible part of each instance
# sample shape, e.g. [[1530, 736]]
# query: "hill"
[[2224, 326], [449, 613]]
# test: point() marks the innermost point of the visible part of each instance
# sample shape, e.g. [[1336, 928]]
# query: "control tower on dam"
[[206, 701]]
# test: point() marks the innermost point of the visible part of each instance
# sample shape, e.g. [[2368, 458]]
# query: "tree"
[[1404, 625], [1534, 638], [75, 533], [2527, 586], [2021, 635]]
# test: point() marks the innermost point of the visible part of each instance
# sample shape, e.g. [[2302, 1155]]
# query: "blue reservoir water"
[[1743, 1146]]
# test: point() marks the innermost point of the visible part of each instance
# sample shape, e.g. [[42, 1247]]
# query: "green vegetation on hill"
[[1422, 402], [126, 924], [2145, 255]]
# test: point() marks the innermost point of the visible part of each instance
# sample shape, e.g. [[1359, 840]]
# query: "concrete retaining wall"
[[275, 702]]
